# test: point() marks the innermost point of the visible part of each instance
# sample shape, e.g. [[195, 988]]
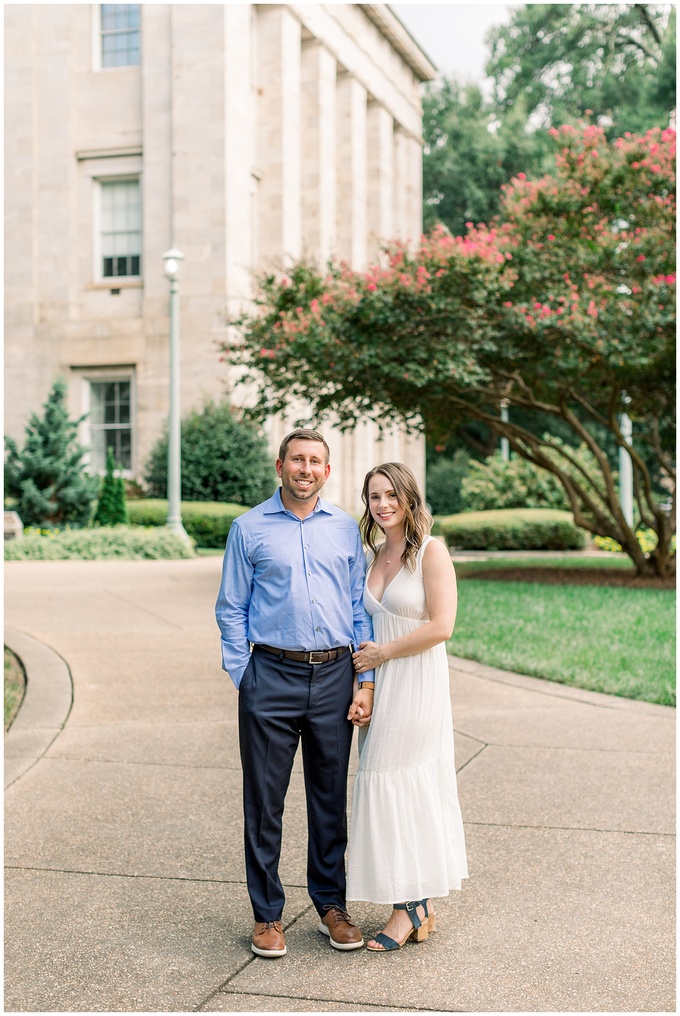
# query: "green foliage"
[[519, 483], [562, 60], [444, 481], [206, 522], [46, 478], [513, 529], [470, 153], [224, 459], [15, 686], [560, 307], [111, 507], [516, 483], [97, 544]]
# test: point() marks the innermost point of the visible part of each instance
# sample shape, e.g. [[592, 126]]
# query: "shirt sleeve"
[[233, 604], [363, 626]]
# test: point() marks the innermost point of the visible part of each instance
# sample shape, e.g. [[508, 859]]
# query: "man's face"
[[304, 470]]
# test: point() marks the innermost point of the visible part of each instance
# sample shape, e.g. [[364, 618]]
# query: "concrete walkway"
[[124, 888]]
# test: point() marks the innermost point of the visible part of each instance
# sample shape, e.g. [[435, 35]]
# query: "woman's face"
[[383, 503]]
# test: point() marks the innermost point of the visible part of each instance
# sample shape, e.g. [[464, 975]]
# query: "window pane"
[[120, 33], [110, 423], [121, 239]]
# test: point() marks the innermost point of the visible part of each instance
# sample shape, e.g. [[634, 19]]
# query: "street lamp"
[[626, 463], [505, 444], [172, 262]]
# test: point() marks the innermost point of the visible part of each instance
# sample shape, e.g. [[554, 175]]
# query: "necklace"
[[387, 559]]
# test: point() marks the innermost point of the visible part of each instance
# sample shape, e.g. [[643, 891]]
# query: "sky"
[[452, 35]]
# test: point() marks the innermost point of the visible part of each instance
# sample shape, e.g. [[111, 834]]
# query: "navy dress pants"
[[281, 701]]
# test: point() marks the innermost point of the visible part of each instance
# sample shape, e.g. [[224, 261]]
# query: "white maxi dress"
[[406, 835]]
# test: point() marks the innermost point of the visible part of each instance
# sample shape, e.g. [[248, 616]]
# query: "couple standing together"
[[315, 645]]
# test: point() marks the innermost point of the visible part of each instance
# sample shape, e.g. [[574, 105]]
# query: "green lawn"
[[14, 686], [620, 641]]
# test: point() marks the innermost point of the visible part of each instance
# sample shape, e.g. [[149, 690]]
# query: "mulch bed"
[[573, 577]]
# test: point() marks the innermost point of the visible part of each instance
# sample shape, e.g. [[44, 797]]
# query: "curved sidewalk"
[[125, 887]]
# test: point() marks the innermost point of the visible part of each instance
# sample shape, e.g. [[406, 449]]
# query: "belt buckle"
[[317, 652]]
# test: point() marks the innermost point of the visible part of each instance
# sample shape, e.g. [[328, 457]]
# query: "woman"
[[406, 842]]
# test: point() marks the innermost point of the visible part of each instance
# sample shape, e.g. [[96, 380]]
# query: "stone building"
[[242, 134]]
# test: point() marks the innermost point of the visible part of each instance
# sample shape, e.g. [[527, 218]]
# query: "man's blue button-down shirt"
[[291, 583]]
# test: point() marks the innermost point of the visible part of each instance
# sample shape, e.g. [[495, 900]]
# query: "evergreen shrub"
[[513, 529], [444, 482], [206, 522], [46, 479], [111, 507], [98, 543], [223, 459]]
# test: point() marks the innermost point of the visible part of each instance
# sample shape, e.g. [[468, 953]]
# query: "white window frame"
[[115, 281], [105, 375], [97, 43]]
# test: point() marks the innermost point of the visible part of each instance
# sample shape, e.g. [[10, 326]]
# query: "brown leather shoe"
[[268, 939], [341, 929]]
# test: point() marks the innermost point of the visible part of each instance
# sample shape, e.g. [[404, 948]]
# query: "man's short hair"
[[302, 434]]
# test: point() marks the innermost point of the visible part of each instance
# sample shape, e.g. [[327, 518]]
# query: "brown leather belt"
[[316, 656]]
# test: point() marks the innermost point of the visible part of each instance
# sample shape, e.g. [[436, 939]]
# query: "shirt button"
[[318, 629], [313, 601]]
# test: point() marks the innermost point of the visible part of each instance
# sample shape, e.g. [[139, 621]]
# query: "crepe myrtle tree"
[[563, 305]]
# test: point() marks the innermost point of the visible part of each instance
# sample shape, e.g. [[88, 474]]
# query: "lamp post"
[[626, 464], [172, 261], [505, 444]]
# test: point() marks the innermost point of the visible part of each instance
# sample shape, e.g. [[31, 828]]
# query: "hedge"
[[513, 529], [97, 543], [207, 522]]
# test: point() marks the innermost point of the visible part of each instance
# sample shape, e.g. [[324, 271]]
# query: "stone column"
[[414, 188], [278, 132], [239, 151], [400, 215], [351, 162], [380, 177], [319, 72]]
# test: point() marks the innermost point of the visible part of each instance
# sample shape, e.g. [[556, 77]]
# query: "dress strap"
[[421, 551]]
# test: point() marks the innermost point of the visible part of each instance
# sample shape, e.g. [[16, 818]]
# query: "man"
[[292, 588]]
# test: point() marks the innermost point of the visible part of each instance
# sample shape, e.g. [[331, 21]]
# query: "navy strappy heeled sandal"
[[418, 932]]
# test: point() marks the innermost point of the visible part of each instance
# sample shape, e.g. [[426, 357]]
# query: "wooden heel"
[[420, 934], [432, 923]]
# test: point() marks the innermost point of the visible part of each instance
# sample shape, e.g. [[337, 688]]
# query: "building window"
[[120, 35], [121, 228], [110, 424]]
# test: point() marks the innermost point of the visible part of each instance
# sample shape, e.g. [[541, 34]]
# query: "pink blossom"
[[371, 287], [592, 309], [640, 257]]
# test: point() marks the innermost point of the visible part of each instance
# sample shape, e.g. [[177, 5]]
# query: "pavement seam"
[[571, 829], [529, 746], [123, 874], [218, 990], [128, 762], [138, 606], [348, 1001], [472, 758]]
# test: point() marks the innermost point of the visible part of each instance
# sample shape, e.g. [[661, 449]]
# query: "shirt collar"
[[275, 505]]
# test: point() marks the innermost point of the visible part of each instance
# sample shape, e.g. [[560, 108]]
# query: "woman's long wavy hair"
[[417, 521]]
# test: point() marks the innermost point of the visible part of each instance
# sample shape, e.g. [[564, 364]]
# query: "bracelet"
[[367, 684]]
